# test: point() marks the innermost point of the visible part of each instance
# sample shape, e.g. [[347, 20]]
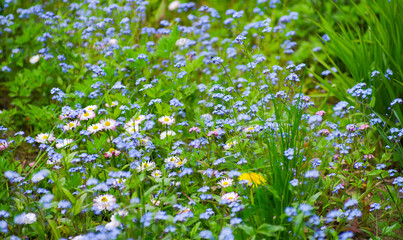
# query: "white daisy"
[[148, 166], [156, 174], [174, 5], [91, 108], [34, 59], [63, 143], [108, 124], [95, 128], [144, 141], [181, 42], [168, 133], [45, 138], [232, 196], [172, 159], [71, 125], [249, 129], [166, 120], [130, 130], [87, 115], [230, 145], [114, 103], [180, 163], [112, 152], [103, 202], [226, 182]]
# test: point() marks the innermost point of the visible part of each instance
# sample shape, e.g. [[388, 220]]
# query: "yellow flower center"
[[95, 127], [111, 150], [107, 123], [104, 199], [86, 114], [45, 137], [71, 124], [166, 119], [90, 108], [225, 183]]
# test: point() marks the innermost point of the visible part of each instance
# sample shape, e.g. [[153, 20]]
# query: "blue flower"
[[226, 234], [206, 234]]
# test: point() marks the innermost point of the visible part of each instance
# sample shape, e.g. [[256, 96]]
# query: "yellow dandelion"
[[254, 179]]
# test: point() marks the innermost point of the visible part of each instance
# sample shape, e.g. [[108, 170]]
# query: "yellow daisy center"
[[107, 123], [111, 150], [86, 114], [166, 119], [225, 183], [95, 127], [45, 137], [71, 124], [104, 199]]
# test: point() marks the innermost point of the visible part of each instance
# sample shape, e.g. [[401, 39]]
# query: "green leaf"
[[247, 229], [194, 229], [148, 192], [79, 204], [53, 226], [167, 44], [270, 230], [68, 194]]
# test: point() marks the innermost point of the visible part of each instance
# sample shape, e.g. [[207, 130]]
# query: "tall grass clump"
[[370, 53]]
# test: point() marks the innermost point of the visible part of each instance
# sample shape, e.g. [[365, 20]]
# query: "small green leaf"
[[270, 230], [247, 229]]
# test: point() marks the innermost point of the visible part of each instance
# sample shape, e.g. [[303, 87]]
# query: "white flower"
[[232, 196], [173, 5], [181, 42], [114, 103], [156, 174], [108, 124], [34, 59], [226, 182], [130, 130], [140, 119], [134, 124], [40, 175], [229, 145], [95, 128], [249, 129], [166, 120], [113, 41], [87, 115], [44, 138], [25, 218], [144, 141], [172, 159], [91, 108], [63, 143], [103, 202], [146, 166], [112, 152], [71, 125], [180, 163], [168, 133]]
